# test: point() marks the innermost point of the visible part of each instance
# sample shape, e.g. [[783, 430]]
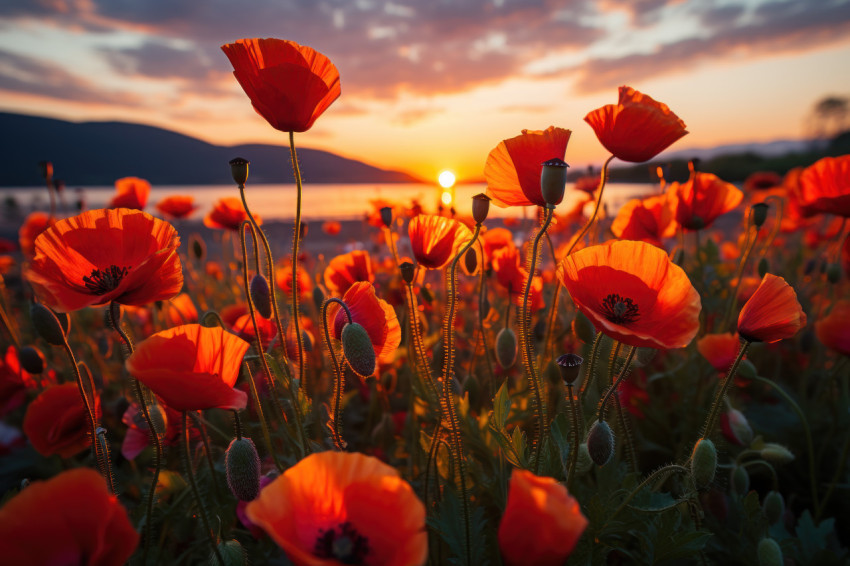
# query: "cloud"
[[158, 60]]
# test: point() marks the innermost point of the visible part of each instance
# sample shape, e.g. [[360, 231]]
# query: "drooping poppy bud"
[[31, 359], [261, 295], [47, 324], [776, 453], [600, 443], [358, 349], [242, 466], [506, 348], [704, 463]]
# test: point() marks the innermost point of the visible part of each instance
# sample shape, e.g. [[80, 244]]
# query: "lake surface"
[[319, 201]]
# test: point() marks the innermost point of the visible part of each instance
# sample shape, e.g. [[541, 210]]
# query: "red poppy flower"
[[648, 220], [513, 168], [542, 522], [345, 270], [69, 519], [177, 206], [131, 192], [180, 310], [7, 245], [719, 349], [825, 186], [57, 422], [762, 181], [283, 279], [436, 240], [191, 367], [33, 226], [244, 328], [374, 314], [637, 128], [772, 313], [120, 255], [331, 228], [833, 330], [14, 382], [335, 508], [632, 292], [513, 277], [290, 85], [227, 214], [702, 199], [494, 239], [587, 184]]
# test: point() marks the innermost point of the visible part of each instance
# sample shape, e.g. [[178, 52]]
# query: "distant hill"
[[97, 153]]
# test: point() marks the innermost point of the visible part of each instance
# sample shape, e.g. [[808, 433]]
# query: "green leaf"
[[520, 445], [501, 406], [813, 538]]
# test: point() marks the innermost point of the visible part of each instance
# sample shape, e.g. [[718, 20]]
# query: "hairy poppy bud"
[[261, 296], [553, 181], [776, 453], [704, 463], [740, 426], [47, 324], [480, 207], [242, 466], [387, 216], [408, 272], [600, 443], [231, 552], [318, 298], [506, 348], [773, 507], [159, 418], [583, 328], [239, 170], [769, 553], [759, 214], [570, 365], [358, 349], [764, 267], [740, 480], [32, 360]]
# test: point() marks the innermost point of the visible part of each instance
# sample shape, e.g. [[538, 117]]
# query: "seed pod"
[[32, 360], [769, 553], [47, 324], [387, 216], [583, 328], [358, 349], [570, 365], [231, 552], [408, 271], [239, 170], [261, 296], [739, 479], [776, 453], [553, 181], [759, 214], [242, 466], [704, 463], [506, 348], [480, 207], [600, 443], [773, 507]]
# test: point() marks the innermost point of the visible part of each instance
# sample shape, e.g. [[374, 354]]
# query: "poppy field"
[[668, 383]]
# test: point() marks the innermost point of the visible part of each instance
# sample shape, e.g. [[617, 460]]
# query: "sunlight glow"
[[446, 180], [446, 197]]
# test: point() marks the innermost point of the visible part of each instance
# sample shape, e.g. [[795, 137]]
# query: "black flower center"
[[102, 281], [619, 309], [342, 543]]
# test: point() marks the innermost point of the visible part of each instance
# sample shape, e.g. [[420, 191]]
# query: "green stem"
[[296, 238], [602, 180], [263, 423], [661, 473], [589, 376], [336, 401], [207, 453], [733, 293], [574, 437], [721, 392], [624, 371], [198, 501]]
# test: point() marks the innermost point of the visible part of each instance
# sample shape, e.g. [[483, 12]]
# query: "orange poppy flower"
[[227, 214], [33, 226], [331, 228], [762, 181], [374, 314], [7, 263], [637, 128], [69, 519], [244, 328], [57, 422], [648, 220], [289, 85], [833, 330], [542, 522], [177, 206], [719, 349], [494, 239], [772, 313], [335, 508], [130, 192], [180, 310], [283, 279], [632, 292], [191, 367], [513, 277], [513, 168], [587, 184], [120, 255], [825, 186], [345, 270], [436, 240], [702, 199]]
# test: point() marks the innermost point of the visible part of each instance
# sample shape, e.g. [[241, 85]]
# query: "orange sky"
[[430, 86]]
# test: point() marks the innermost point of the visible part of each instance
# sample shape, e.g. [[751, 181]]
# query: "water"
[[319, 201]]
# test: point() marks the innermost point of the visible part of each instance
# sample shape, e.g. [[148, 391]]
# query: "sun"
[[446, 179]]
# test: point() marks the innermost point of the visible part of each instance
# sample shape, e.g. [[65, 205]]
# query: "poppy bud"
[[47, 324], [470, 261], [231, 552], [583, 328], [553, 181], [583, 462], [747, 369], [159, 418], [776, 453], [740, 426], [318, 298], [32, 360], [46, 169], [704, 463], [480, 207], [239, 170], [408, 271], [261, 296], [769, 553], [740, 480], [759, 214], [570, 365], [358, 349], [773, 507], [387, 216], [306, 340], [198, 247], [242, 466], [833, 273], [764, 267], [600, 443], [472, 388], [506, 348]]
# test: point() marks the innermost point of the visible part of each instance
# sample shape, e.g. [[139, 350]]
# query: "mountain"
[[767, 149], [98, 153]]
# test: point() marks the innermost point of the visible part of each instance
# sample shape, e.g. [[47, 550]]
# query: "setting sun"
[[446, 179]]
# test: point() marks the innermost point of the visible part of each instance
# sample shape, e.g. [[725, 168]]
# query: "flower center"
[[342, 543], [102, 281], [619, 309]]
